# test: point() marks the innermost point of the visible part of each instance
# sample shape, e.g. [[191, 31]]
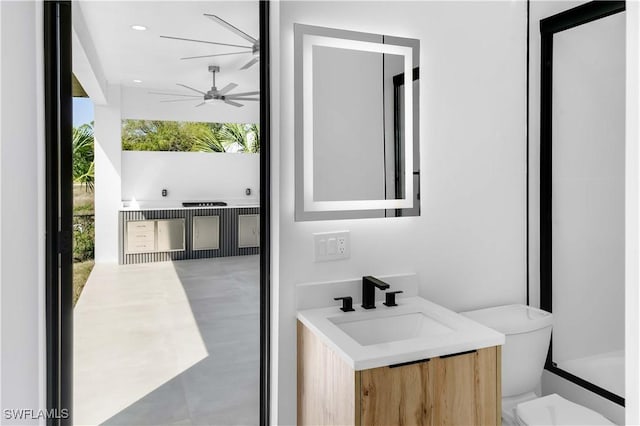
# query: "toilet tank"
[[527, 333]]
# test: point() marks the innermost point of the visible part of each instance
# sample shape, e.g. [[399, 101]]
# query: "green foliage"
[[208, 140], [240, 137], [253, 135], [81, 271], [83, 237], [155, 135], [83, 154]]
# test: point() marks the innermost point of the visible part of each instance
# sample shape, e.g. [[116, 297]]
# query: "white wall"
[[588, 189], [86, 59], [108, 171], [22, 206], [632, 183], [190, 176], [468, 245]]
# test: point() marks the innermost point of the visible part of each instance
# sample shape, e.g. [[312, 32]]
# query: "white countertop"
[[465, 335], [177, 205]]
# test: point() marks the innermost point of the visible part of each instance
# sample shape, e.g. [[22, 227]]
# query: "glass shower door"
[[586, 230]]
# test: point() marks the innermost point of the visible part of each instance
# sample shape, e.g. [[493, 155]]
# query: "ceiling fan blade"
[[173, 94], [233, 95], [242, 99], [191, 88], [217, 54], [207, 42], [231, 28], [180, 100], [235, 104], [250, 63], [200, 104], [227, 88]]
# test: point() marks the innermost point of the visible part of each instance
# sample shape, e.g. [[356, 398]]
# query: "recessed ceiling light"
[[139, 27], [137, 81]]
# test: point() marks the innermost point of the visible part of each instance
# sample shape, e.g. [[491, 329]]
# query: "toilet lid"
[[555, 410]]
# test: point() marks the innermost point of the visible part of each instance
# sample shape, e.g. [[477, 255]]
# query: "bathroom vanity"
[[417, 363]]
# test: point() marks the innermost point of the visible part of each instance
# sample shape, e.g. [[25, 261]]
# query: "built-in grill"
[[203, 203]]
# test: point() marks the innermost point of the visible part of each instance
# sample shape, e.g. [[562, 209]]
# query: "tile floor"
[[171, 343]]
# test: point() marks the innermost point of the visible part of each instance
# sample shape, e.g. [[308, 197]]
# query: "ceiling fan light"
[[138, 27]]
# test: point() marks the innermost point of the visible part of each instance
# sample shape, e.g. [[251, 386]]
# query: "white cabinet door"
[[248, 230], [170, 234], [141, 236], [206, 232]]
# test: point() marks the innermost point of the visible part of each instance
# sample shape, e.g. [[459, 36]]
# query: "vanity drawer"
[[141, 246], [141, 226], [141, 236]]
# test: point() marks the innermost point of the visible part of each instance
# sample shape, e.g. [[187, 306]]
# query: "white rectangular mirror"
[[356, 145]]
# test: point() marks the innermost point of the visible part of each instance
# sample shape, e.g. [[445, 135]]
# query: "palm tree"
[[253, 135], [82, 149], [207, 139], [240, 137], [149, 135]]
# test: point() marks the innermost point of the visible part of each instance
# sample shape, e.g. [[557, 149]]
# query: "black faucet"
[[369, 285]]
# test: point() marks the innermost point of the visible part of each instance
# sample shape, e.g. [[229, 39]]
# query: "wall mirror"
[[356, 124]]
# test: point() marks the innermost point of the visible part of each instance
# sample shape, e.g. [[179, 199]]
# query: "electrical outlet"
[[331, 246], [341, 244]]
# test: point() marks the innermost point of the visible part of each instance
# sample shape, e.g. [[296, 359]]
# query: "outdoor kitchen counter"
[[168, 231], [177, 205]]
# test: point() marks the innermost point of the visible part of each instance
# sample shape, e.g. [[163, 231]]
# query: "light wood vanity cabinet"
[[462, 389]]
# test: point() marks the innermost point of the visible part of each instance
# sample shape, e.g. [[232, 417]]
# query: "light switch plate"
[[331, 246]]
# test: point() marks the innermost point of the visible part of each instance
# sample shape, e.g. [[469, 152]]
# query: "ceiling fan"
[[254, 48], [213, 94]]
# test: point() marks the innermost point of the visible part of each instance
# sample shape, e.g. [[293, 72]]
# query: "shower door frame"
[[565, 20]]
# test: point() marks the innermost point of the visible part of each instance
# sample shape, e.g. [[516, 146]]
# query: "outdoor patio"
[[168, 343]]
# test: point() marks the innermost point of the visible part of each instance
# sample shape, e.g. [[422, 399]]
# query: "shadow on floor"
[[223, 388]]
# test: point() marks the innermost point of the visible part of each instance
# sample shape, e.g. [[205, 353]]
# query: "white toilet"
[[528, 331]]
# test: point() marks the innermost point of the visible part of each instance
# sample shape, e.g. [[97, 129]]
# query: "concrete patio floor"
[[173, 343]]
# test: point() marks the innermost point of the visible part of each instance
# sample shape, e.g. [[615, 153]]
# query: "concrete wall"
[[190, 176], [468, 246], [22, 208]]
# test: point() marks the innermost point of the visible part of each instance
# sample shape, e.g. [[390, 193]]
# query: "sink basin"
[[373, 331], [415, 329]]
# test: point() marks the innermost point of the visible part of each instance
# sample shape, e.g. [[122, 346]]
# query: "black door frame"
[[59, 210], [565, 20], [265, 214]]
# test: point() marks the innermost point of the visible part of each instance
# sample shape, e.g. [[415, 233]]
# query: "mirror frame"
[[305, 37]]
